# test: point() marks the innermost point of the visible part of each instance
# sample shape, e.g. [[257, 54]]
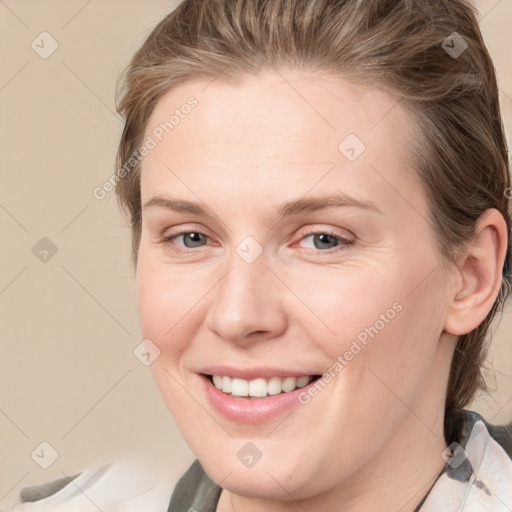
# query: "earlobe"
[[480, 269]]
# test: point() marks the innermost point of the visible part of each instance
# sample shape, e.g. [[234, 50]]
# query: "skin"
[[374, 435]]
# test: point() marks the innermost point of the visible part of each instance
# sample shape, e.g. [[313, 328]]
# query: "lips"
[[244, 405]]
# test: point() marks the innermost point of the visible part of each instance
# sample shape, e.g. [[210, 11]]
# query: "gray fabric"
[[42, 491], [502, 434], [195, 490]]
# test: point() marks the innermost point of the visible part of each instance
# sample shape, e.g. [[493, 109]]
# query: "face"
[[284, 237]]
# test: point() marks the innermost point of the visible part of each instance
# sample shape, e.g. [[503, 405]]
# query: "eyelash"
[[344, 242]]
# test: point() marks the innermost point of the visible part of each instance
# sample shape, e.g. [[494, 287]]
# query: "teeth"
[[217, 380], [226, 384], [274, 386], [239, 387], [303, 381], [289, 384], [259, 387]]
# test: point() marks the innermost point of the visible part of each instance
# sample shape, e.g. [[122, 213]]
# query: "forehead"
[[280, 130]]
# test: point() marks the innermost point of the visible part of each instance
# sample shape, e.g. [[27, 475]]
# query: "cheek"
[[167, 303], [345, 305], [385, 323], [401, 345]]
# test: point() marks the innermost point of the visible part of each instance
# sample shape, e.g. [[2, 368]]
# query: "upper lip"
[[253, 372]]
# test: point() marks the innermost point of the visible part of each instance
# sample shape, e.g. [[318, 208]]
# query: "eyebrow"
[[295, 207]]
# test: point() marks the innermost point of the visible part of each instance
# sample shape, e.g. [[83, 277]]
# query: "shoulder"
[[121, 485], [55, 494], [38, 492], [478, 473], [502, 434], [463, 423]]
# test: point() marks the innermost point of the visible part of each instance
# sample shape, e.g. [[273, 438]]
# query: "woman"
[[307, 376]]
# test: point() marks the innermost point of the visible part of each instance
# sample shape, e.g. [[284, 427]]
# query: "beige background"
[[69, 325]]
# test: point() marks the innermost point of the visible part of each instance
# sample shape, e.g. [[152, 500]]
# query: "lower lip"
[[248, 410]]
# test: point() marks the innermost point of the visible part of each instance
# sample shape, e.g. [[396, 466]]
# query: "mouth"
[[255, 395], [259, 387]]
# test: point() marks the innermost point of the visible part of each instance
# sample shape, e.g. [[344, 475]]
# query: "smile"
[[259, 387], [254, 400]]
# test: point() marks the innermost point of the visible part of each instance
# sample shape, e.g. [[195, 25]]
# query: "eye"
[[325, 241], [189, 240], [321, 241]]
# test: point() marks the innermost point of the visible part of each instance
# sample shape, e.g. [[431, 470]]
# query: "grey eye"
[[192, 239]]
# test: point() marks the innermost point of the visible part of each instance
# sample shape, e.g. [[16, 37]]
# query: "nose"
[[247, 306]]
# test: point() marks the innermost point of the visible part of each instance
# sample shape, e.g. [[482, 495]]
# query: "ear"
[[479, 274]]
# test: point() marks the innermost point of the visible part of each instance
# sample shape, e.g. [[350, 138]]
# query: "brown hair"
[[402, 46]]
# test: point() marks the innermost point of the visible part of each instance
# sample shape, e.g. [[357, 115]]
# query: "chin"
[[277, 478]]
